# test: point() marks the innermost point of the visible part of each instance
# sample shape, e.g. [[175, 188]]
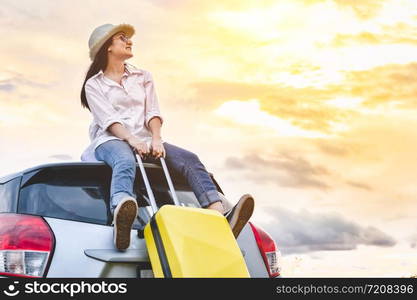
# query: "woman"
[[126, 119]]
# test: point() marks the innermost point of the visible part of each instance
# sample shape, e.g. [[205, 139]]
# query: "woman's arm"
[[151, 103], [121, 132], [158, 149], [118, 130], [155, 125]]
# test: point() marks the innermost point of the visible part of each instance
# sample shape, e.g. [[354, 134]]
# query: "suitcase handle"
[[148, 187], [169, 181]]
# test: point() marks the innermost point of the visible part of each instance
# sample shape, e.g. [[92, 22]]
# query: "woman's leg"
[[119, 156], [189, 165]]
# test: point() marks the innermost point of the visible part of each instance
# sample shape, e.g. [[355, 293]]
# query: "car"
[[55, 222]]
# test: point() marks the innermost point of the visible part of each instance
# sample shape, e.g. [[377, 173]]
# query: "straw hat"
[[100, 35]]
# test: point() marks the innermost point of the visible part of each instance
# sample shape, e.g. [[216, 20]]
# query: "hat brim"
[[129, 30]]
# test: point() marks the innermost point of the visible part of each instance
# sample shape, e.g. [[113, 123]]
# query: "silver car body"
[[84, 249]]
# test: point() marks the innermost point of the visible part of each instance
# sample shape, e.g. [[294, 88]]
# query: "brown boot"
[[124, 216], [240, 214]]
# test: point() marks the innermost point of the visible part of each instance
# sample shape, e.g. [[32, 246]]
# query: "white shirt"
[[133, 104]]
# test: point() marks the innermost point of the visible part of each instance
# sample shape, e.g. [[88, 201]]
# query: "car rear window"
[[81, 193]]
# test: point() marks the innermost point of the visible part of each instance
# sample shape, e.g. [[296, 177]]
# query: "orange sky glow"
[[310, 105]]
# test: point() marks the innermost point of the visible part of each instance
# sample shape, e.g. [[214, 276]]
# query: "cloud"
[[284, 169], [329, 147], [413, 241], [308, 108], [389, 83], [399, 33], [7, 87], [342, 40], [297, 232], [364, 9], [360, 185], [16, 80], [303, 107]]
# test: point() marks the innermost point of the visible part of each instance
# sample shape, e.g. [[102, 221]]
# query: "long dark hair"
[[99, 63]]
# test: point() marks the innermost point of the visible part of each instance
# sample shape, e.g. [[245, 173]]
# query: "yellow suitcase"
[[190, 242]]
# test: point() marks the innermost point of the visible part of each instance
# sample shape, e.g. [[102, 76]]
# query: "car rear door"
[[74, 201]]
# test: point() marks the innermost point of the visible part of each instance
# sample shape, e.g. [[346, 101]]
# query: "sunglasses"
[[123, 38]]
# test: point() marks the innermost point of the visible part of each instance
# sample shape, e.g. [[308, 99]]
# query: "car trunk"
[[87, 250], [74, 201]]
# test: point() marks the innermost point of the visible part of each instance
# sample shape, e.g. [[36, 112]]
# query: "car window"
[[160, 189], [8, 195], [82, 193], [71, 193]]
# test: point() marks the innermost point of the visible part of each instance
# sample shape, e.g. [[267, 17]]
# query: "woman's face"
[[121, 46]]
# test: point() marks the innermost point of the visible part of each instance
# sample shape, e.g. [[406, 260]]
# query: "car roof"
[[12, 176], [9, 177]]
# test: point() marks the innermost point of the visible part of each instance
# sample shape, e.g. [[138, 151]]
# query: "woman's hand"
[[140, 147], [157, 148]]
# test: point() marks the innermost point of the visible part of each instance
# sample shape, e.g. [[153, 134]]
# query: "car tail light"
[[26, 244], [270, 254]]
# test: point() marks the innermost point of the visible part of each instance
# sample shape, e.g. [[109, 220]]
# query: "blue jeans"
[[120, 157]]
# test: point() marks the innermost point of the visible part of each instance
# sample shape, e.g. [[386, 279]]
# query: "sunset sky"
[[309, 105]]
